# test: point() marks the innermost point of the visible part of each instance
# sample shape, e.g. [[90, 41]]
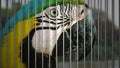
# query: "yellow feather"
[[11, 43]]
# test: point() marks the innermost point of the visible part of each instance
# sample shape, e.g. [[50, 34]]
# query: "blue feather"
[[27, 11]]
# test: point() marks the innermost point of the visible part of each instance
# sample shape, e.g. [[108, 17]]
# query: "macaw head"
[[52, 21], [43, 23]]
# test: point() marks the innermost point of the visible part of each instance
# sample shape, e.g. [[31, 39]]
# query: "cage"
[[59, 34]]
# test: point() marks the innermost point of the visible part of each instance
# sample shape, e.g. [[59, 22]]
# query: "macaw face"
[[59, 15], [51, 22]]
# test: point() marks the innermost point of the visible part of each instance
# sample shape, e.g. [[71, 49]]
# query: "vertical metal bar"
[[91, 43], [84, 42], [49, 37], [93, 51], [77, 39], [63, 39], [89, 3], [35, 39], [42, 38], [112, 33], [7, 34], [105, 31], [106, 12], [119, 31], [56, 42], [100, 25], [95, 43], [14, 11], [98, 36], [28, 35], [21, 34], [70, 34]]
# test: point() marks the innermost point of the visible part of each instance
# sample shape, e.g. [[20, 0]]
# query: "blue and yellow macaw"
[[37, 29]]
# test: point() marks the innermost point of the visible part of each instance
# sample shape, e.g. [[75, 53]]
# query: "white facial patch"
[[43, 41]]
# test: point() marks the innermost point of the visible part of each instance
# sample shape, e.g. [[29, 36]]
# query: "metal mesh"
[[104, 53]]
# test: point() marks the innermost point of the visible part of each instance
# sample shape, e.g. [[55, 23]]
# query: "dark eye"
[[82, 11], [53, 12]]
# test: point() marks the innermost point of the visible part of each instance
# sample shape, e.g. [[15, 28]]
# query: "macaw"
[[34, 32]]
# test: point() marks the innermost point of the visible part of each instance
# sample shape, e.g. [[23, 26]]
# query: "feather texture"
[[33, 7]]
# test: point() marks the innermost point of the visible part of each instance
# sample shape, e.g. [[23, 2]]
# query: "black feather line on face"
[[44, 28]]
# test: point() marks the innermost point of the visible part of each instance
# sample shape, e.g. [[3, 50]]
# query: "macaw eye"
[[54, 12]]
